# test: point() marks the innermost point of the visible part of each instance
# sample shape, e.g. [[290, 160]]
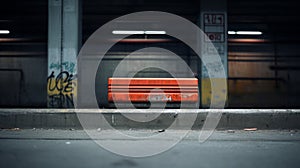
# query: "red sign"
[[215, 37]]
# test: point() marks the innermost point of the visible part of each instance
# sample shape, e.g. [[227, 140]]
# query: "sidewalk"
[[231, 118]]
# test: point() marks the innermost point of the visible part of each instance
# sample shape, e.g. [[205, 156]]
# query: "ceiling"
[[27, 20]]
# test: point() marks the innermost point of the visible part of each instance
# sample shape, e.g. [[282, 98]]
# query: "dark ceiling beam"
[[232, 19], [138, 2]]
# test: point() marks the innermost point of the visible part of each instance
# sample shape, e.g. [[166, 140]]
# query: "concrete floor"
[[73, 148]]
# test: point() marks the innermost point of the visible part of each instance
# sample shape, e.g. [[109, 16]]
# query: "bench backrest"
[[153, 89]]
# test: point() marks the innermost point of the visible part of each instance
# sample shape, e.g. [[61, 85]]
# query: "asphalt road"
[[73, 148]]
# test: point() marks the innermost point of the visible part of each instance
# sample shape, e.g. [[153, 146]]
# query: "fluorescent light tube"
[[4, 32], [248, 32], [137, 32], [155, 32], [231, 32], [245, 32], [127, 32]]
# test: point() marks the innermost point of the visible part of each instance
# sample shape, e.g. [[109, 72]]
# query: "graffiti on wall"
[[61, 89], [68, 66]]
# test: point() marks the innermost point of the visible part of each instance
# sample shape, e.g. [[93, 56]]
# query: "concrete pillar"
[[64, 40], [213, 21]]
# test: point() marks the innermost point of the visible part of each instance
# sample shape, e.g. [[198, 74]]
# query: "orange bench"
[[141, 90]]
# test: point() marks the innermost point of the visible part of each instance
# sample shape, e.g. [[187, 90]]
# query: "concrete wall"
[[23, 81], [264, 75]]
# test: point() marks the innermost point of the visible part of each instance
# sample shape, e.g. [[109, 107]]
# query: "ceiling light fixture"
[[137, 32], [231, 32], [245, 32], [155, 32], [127, 32], [4, 32]]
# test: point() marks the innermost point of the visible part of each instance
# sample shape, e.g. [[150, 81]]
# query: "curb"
[[67, 118]]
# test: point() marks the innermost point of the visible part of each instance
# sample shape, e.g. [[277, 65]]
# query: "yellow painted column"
[[63, 45], [213, 22]]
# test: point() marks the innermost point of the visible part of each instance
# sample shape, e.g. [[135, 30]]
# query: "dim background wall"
[[263, 71]]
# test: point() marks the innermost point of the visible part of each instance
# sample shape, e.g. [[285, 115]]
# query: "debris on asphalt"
[[99, 129], [250, 129], [230, 131], [162, 130], [15, 129], [293, 132], [68, 143], [71, 129]]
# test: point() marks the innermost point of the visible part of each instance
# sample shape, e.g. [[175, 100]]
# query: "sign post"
[[213, 21]]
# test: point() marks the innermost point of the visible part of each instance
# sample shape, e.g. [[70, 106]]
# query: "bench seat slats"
[[154, 81], [142, 97], [153, 89]]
